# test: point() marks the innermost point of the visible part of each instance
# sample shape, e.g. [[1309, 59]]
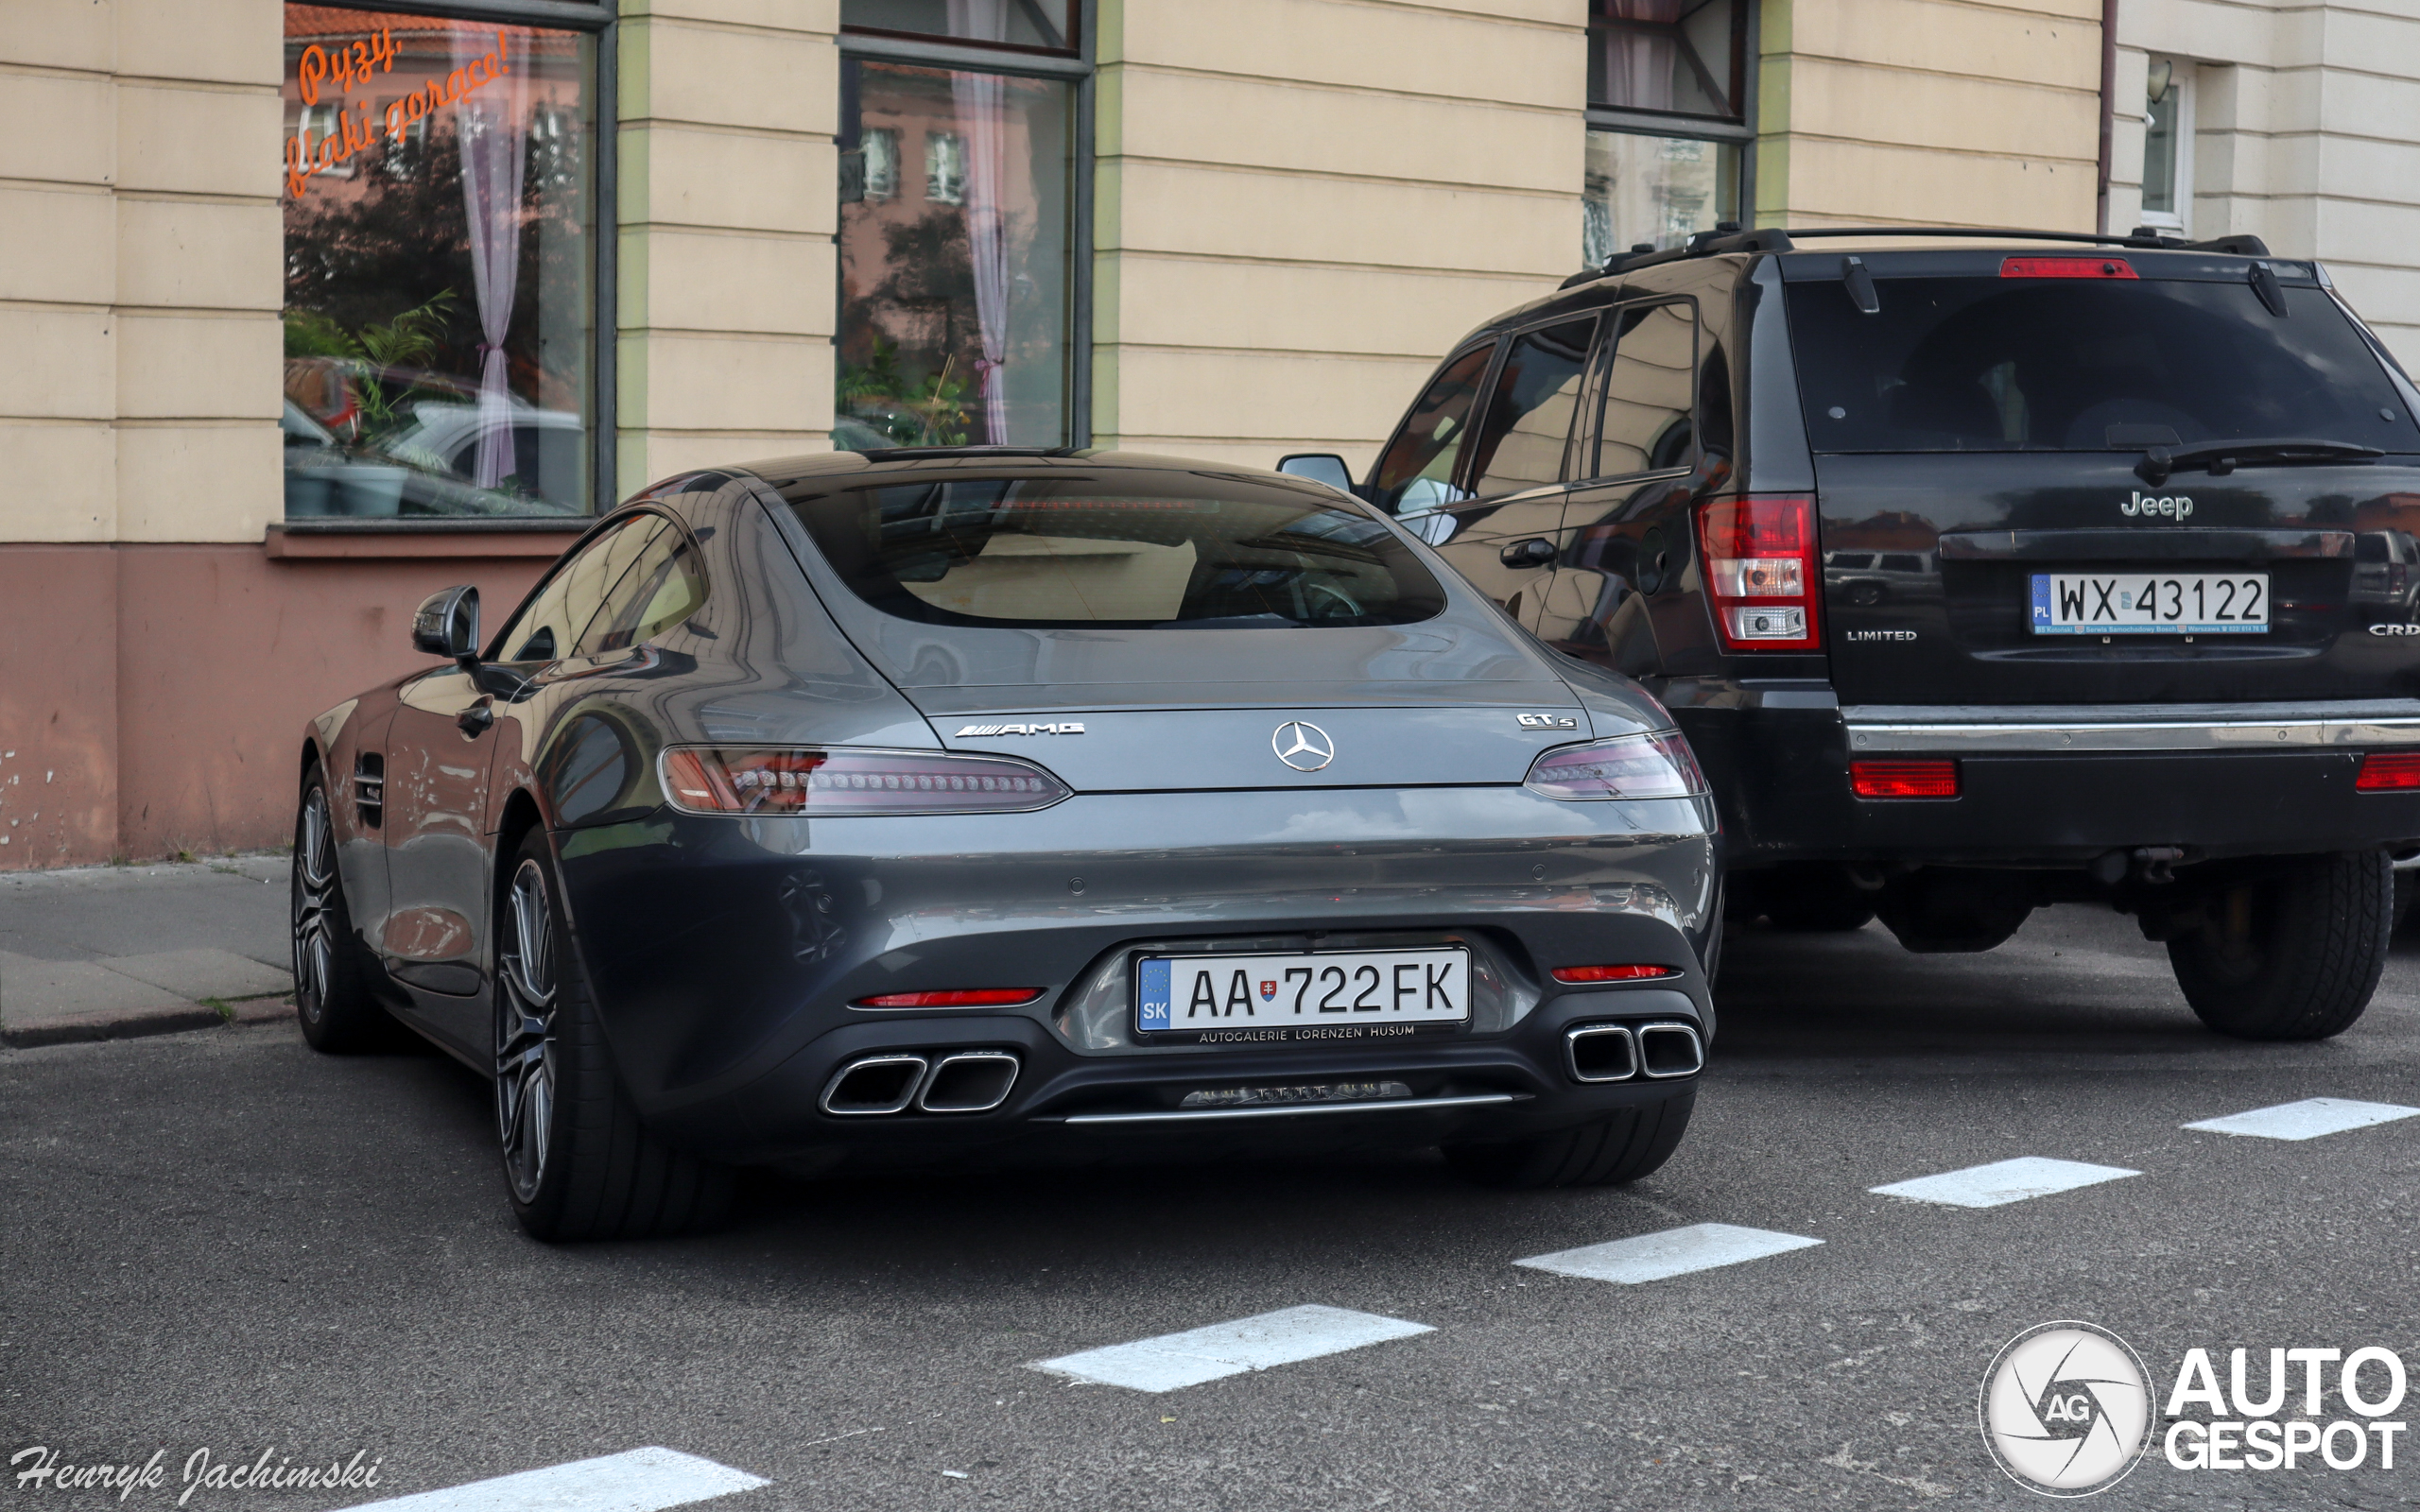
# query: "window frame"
[[1075, 67], [1732, 90], [620, 518], [601, 20], [1601, 366], [2179, 219], [1737, 132], [1495, 341], [1465, 467]]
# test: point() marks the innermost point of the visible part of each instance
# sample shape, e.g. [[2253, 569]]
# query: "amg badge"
[[1063, 729]]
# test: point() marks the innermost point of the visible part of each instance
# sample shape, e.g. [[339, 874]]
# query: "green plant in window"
[[377, 357], [937, 405]]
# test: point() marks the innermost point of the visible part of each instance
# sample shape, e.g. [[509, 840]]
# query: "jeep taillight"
[[1761, 572]]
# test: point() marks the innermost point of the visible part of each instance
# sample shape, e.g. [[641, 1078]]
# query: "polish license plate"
[[1303, 996], [2150, 603]]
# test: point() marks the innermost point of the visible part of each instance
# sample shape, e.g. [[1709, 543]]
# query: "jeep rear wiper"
[[2222, 457]]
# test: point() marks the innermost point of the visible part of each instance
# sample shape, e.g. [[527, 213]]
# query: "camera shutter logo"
[[2067, 1409]]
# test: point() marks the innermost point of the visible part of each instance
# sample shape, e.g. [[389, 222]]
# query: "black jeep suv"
[[1981, 575]]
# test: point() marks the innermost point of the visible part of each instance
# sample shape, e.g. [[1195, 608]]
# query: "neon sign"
[[354, 130]]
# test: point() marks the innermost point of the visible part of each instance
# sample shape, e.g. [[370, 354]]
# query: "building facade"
[[317, 308]]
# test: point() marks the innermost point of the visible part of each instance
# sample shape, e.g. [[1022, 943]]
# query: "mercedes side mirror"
[[448, 626], [1319, 467]]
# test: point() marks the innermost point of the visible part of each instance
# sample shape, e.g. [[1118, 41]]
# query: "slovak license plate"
[[1303, 996], [2150, 603]]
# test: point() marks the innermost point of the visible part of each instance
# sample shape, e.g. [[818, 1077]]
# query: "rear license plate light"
[[1904, 778], [2388, 772]]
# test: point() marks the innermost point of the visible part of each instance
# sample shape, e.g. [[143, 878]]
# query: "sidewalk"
[[103, 953]]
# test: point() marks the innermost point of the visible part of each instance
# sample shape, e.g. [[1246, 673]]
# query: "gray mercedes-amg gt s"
[[936, 806]]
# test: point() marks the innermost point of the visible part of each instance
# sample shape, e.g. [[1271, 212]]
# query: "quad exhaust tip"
[[1670, 1050], [1614, 1052], [968, 1081], [1600, 1052], [960, 1081]]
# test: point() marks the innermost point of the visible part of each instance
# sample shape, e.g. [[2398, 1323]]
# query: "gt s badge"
[[1548, 722], [1062, 728]]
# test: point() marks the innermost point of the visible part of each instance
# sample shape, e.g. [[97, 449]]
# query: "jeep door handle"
[[1536, 552], [475, 720]]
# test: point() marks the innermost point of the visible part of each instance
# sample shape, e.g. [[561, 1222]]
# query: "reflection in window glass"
[[1170, 551], [1017, 22], [1658, 190], [1420, 465], [882, 164], [1646, 424], [953, 291], [1529, 415], [438, 306]]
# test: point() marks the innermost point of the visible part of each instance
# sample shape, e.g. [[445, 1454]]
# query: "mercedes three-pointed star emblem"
[[1302, 746]]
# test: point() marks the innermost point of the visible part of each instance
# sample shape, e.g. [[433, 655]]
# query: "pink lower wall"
[[152, 697]]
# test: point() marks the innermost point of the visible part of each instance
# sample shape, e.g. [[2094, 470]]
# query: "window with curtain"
[[1043, 25], [1667, 92], [955, 283], [439, 294]]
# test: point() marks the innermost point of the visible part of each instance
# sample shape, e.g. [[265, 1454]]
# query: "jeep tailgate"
[[1994, 512]]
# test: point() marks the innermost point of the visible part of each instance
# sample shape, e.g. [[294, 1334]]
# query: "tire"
[[2292, 953], [332, 997], [1618, 1148], [578, 1164]]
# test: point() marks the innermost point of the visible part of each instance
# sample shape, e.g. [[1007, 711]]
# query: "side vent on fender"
[[370, 788]]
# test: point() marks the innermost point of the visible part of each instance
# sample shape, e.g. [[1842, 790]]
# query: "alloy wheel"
[[315, 885], [525, 1031]]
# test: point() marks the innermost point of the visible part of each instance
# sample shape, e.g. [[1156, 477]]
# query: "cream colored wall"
[[1302, 203], [2306, 134], [729, 204], [139, 269], [1930, 112]]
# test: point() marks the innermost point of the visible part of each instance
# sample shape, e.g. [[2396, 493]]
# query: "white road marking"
[[2003, 1182], [1671, 1252], [2306, 1120], [1188, 1359], [638, 1480]]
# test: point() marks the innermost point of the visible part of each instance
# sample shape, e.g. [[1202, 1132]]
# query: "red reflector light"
[[967, 997], [2067, 267], [2388, 772], [838, 781], [1612, 973], [1760, 572], [1904, 778]]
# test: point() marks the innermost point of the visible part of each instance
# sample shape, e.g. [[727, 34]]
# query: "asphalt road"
[[224, 1242]]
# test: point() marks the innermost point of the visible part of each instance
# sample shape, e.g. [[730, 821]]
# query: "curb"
[[82, 1028]]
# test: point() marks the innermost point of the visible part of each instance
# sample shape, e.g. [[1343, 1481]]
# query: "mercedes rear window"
[[1151, 551], [1983, 364]]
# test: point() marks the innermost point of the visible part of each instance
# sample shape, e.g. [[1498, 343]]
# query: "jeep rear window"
[[1133, 551], [2059, 365]]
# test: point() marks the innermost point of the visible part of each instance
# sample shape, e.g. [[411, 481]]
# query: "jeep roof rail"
[[1727, 237]]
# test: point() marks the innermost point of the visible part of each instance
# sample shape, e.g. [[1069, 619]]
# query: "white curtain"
[[982, 114], [491, 124], [1638, 69]]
